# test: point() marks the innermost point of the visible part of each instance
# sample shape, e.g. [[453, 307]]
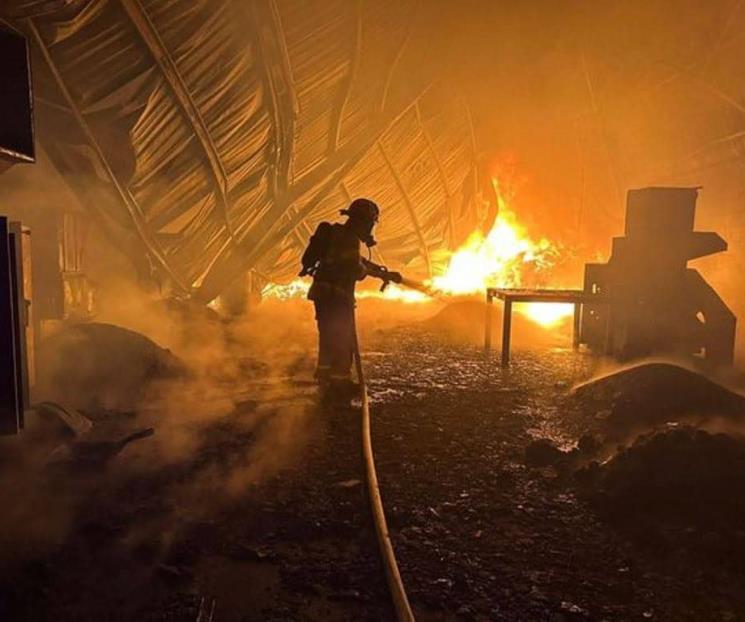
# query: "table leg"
[[577, 326], [488, 322], [506, 332]]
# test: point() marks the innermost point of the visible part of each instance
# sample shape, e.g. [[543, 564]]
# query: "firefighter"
[[333, 259]]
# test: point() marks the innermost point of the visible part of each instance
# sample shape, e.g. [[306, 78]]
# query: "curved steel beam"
[[171, 73], [271, 46], [440, 169], [126, 197], [33, 8], [433, 153], [349, 82], [409, 206], [324, 179], [399, 55], [270, 42]]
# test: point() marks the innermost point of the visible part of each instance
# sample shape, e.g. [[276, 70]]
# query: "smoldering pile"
[[618, 407], [462, 320], [678, 474], [637, 398], [670, 462], [93, 365], [667, 451]]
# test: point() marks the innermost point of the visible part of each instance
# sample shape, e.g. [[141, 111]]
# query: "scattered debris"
[[543, 453], [588, 445], [174, 574], [206, 612], [443, 582], [90, 453], [347, 595], [77, 423], [349, 483], [570, 607], [246, 553]]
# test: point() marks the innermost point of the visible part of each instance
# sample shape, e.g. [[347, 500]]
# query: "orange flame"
[[501, 258]]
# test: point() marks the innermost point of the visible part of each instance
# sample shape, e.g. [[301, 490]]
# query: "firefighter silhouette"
[[334, 261]]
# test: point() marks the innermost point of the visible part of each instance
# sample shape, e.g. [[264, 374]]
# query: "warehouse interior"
[[550, 370]]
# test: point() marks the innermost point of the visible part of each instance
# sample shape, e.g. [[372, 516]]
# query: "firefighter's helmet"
[[362, 209]]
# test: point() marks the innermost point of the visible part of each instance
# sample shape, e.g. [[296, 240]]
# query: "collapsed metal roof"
[[211, 135]]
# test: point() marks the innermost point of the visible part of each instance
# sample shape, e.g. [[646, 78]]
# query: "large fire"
[[507, 256], [503, 258]]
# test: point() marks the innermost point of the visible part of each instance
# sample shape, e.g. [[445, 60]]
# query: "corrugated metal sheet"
[[223, 130]]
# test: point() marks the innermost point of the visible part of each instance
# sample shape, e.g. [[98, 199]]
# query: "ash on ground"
[[479, 471], [509, 497]]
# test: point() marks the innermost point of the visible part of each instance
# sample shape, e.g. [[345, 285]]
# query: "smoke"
[[42, 510], [606, 367], [240, 384], [237, 407]]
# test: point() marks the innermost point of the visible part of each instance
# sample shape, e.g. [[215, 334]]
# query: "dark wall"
[[16, 116]]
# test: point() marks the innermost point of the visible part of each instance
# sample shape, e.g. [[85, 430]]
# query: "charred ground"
[[257, 511]]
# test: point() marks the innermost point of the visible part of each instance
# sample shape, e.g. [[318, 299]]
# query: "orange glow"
[[395, 292], [298, 288], [294, 289], [492, 261], [547, 314], [501, 258]]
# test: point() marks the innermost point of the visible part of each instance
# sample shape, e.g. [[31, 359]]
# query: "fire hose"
[[393, 576]]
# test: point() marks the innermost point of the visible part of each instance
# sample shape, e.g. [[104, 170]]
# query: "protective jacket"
[[338, 263]]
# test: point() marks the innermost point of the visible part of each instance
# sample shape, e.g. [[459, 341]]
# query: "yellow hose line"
[[393, 576]]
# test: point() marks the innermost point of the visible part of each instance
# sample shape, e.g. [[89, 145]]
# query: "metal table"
[[577, 297]]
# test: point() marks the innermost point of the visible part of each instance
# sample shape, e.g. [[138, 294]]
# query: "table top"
[[542, 295]]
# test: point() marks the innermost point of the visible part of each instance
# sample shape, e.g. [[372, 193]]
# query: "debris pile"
[[677, 475], [650, 394], [543, 452], [463, 321], [93, 366]]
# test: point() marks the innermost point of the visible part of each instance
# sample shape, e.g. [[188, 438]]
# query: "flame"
[[298, 288], [502, 258], [547, 314], [294, 289], [395, 292], [495, 260], [507, 256]]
